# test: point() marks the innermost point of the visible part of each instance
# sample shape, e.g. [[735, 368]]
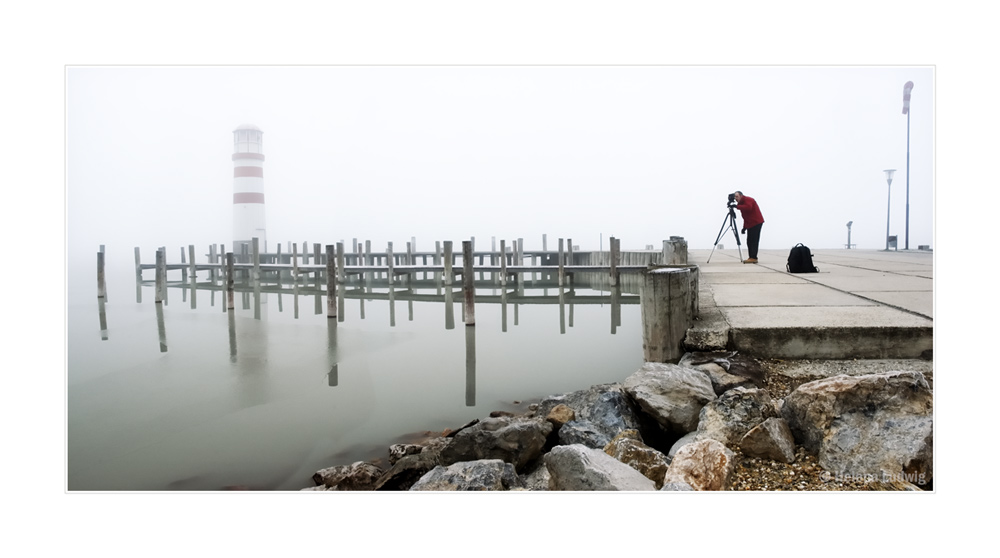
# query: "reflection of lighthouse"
[[248, 188]]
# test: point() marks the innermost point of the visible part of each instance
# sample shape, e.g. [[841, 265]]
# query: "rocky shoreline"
[[714, 421]]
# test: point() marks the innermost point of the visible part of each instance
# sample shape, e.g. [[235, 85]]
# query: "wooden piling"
[[341, 274], [331, 280], [666, 309], [615, 259], [469, 288], [101, 288], [138, 263], [562, 268], [389, 262], [449, 276], [295, 262], [230, 303], [256, 259], [184, 271], [191, 256], [161, 275], [437, 261], [503, 263]]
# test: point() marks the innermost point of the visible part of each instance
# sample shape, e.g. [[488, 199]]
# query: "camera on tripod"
[[728, 222]]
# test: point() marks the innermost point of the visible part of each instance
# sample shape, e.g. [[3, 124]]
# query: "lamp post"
[[888, 179], [907, 87], [849, 223]]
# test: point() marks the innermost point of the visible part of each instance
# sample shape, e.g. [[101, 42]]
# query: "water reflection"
[[103, 319], [333, 376], [232, 335], [275, 408], [161, 328], [470, 366]]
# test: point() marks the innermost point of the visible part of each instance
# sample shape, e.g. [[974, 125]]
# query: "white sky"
[[386, 153], [809, 144]]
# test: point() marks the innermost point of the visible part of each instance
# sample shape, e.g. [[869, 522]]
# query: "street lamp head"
[[888, 175], [849, 223]]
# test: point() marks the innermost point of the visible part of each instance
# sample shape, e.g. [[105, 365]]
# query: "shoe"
[[750, 260]]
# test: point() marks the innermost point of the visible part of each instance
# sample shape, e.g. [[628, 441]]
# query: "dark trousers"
[[753, 240]]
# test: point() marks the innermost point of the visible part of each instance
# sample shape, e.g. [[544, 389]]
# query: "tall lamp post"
[[849, 223], [888, 179], [907, 87]]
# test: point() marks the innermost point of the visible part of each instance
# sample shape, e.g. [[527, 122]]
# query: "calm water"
[[192, 397]]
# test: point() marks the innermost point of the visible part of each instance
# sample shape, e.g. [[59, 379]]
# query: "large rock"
[[486, 474], [628, 448], [356, 476], [704, 465], [407, 471], [878, 424], [536, 478], [670, 394], [577, 467], [515, 440], [604, 409], [683, 441], [728, 418], [717, 366], [771, 439], [560, 415], [583, 432]]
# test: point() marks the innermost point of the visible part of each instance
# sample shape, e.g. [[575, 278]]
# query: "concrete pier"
[[666, 304]]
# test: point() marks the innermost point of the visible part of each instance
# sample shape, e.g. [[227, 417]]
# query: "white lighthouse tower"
[[248, 188]]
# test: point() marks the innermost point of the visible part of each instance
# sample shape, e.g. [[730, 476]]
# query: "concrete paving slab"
[[771, 295], [914, 301], [753, 278], [858, 283]]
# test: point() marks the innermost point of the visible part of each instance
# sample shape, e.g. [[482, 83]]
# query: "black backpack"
[[800, 260]]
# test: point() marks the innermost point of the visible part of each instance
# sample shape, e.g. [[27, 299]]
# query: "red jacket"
[[751, 213]]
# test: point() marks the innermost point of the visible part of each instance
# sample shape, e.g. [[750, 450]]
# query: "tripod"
[[730, 221]]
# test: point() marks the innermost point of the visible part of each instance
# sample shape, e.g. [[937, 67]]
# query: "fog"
[[389, 153]]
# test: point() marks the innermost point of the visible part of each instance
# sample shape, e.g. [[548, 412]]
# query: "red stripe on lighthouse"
[[248, 197], [239, 172]]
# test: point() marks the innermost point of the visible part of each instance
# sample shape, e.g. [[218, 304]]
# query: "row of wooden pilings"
[[669, 294]]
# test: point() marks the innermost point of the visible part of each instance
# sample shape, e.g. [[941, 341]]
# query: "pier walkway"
[[861, 304]]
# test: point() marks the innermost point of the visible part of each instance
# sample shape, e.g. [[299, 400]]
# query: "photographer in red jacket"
[[752, 222]]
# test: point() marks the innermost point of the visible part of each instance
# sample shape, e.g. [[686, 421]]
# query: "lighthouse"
[[248, 188]]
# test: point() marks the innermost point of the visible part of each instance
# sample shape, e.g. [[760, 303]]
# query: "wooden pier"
[[339, 274], [660, 280]]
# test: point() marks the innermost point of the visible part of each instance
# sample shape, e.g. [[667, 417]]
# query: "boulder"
[[408, 470], [685, 440], [771, 439], [728, 418], [628, 448], [577, 467], [671, 395], [356, 476], [877, 424], [560, 415], [583, 432], [515, 440], [704, 465], [604, 408], [486, 474], [676, 486], [537, 478], [716, 365], [399, 451]]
